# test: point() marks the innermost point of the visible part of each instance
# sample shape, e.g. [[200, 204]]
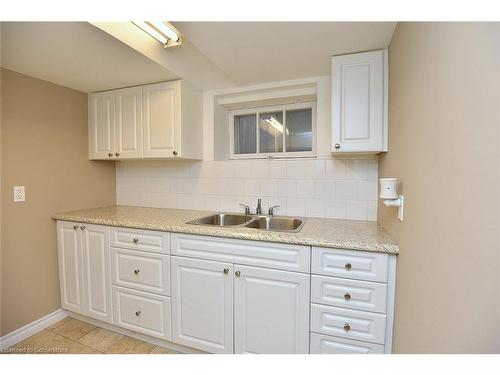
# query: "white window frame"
[[275, 108]]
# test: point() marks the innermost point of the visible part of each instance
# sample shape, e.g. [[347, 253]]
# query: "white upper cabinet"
[[128, 123], [158, 121], [101, 125], [359, 102]]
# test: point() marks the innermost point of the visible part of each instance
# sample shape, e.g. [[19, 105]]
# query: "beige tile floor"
[[72, 336]]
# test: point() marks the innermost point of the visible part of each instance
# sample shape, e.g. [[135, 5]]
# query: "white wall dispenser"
[[390, 196]]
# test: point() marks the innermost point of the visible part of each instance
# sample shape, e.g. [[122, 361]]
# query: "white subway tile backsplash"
[[295, 168], [335, 188], [315, 169], [356, 210], [305, 188], [287, 188], [315, 208], [367, 190], [296, 207], [325, 189], [345, 190], [277, 168], [335, 209]]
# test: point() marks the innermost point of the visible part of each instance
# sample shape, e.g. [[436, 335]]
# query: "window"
[[278, 131]]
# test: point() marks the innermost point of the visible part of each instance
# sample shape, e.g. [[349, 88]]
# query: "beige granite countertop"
[[345, 234]]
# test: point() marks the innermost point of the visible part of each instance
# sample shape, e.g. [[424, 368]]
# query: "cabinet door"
[[102, 125], [97, 272], [202, 304], [128, 104], [271, 311], [358, 115], [162, 120], [70, 266]]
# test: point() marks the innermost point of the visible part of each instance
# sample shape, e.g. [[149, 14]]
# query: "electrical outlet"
[[19, 194]]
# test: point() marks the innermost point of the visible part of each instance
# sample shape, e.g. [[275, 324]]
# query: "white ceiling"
[[76, 55], [108, 55], [254, 52]]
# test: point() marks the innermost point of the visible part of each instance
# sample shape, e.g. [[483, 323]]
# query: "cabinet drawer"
[[138, 270], [351, 324], [323, 344], [145, 240], [352, 294], [251, 253], [350, 264], [142, 312]]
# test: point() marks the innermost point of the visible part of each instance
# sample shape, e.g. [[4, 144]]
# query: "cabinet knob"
[[175, 153], [347, 296], [337, 145], [117, 154], [110, 154], [135, 240], [137, 271], [226, 270], [83, 227], [348, 266], [237, 273], [75, 226], [347, 327], [138, 312]]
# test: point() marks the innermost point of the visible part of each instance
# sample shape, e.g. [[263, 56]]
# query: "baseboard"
[[30, 329], [126, 332]]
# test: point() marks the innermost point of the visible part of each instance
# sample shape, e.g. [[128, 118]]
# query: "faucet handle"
[[247, 208], [270, 212]]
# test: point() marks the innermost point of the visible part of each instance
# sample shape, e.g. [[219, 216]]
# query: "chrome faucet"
[[247, 208], [258, 210], [270, 212]]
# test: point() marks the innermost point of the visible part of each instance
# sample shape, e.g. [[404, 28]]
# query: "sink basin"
[[222, 220], [288, 224]]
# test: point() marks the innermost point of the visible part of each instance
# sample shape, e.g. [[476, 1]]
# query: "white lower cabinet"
[[84, 269], [323, 344], [202, 296], [142, 312], [271, 311], [221, 295]]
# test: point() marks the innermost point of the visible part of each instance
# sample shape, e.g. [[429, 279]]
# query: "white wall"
[[343, 188]]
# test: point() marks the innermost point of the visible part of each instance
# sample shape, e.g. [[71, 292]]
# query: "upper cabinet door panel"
[[129, 122], [359, 122], [162, 119], [101, 125]]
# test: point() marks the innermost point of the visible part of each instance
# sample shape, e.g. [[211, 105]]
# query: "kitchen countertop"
[[344, 234]]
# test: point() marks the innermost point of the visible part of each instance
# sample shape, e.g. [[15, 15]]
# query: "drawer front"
[[323, 344], [144, 240], [350, 264], [251, 253], [142, 312], [351, 294], [143, 271], [350, 324]]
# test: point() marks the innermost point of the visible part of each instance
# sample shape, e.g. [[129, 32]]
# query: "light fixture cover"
[[388, 188], [162, 31]]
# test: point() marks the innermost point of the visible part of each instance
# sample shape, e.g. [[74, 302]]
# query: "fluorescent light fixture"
[[275, 124], [162, 31]]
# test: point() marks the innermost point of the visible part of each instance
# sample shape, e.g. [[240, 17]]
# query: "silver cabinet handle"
[[75, 226], [347, 296], [137, 271], [138, 312], [237, 273], [226, 270], [348, 266], [337, 146], [83, 227], [135, 240], [347, 327]]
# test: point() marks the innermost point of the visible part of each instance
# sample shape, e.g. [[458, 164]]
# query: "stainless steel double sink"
[[274, 223]]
